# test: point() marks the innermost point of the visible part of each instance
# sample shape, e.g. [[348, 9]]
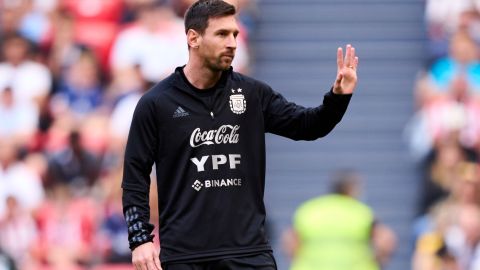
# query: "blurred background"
[[72, 71]]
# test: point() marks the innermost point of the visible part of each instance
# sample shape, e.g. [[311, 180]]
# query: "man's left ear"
[[193, 38]]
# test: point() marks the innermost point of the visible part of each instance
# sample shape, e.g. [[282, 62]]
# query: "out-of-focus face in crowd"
[[15, 49], [463, 49]]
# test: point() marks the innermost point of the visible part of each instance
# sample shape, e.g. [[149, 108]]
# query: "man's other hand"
[[145, 257]]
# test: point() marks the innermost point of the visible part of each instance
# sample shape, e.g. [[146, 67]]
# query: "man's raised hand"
[[346, 71]]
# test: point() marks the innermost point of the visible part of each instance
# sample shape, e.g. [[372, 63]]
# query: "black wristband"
[[140, 240]]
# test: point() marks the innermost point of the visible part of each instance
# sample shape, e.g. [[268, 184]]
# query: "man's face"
[[218, 44], [15, 50]]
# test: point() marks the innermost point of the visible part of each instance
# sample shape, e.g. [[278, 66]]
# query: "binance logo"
[[197, 185]]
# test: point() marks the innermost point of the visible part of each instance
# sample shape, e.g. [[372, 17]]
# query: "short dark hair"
[[198, 14], [344, 181], [15, 37]]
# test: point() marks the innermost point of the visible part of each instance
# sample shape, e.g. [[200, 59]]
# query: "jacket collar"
[[181, 81]]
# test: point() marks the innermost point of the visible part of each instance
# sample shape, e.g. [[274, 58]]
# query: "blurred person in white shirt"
[[18, 119], [29, 80], [18, 232], [155, 42], [17, 179]]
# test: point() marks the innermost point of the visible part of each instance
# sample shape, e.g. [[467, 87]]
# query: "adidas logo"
[[180, 112]]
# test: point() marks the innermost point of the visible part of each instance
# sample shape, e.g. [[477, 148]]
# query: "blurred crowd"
[[71, 73], [444, 137]]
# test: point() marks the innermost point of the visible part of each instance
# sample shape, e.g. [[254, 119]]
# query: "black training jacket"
[[208, 147]]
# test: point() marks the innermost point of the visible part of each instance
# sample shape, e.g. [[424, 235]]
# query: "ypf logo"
[[197, 185]]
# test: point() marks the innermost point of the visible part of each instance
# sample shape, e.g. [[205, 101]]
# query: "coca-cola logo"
[[223, 135]]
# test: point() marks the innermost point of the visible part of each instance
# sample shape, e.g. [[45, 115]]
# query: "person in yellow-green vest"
[[338, 232]]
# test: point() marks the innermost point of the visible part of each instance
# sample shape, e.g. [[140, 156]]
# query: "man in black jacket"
[[204, 129]]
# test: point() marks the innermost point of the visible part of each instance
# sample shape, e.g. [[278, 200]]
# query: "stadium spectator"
[[124, 82], [94, 133], [29, 80], [17, 179], [457, 246], [74, 166], [336, 231], [66, 229], [154, 42], [18, 119], [80, 90], [18, 233], [96, 24], [131, 9], [449, 231], [441, 171], [35, 23], [64, 50], [455, 76], [444, 18]]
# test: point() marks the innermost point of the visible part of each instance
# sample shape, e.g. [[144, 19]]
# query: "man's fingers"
[[352, 56], [157, 262], [339, 79], [151, 265], [140, 266], [339, 58], [356, 61], [348, 55], [137, 265], [144, 263]]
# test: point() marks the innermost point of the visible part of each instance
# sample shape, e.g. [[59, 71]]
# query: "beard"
[[220, 63]]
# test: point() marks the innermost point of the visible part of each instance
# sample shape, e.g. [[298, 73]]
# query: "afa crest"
[[238, 104]]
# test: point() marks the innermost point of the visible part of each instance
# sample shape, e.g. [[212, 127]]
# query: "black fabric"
[[263, 261], [139, 232], [209, 155]]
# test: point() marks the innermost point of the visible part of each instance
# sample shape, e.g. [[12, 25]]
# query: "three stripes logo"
[[180, 112]]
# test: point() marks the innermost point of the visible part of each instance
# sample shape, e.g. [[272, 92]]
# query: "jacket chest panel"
[[192, 123]]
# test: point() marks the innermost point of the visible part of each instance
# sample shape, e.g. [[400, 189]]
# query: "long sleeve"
[[299, 123], [139, 158]]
